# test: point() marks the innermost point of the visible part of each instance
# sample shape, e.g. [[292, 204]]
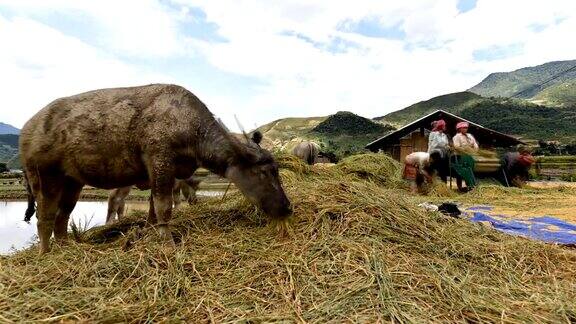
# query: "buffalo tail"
[[31, 201]]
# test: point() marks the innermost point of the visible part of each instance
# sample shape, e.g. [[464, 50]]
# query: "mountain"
[[453, 102], [559, 91], [511, 116], [561, 94], [527, 120], [282, 132], [347, 123], [540, 112], [342, 134], [9, 150], [8, 129]]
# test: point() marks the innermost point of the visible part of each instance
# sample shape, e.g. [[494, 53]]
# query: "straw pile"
[[379, 168], [356, 251]]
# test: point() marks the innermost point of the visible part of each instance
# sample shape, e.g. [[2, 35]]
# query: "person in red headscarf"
[[438, 146], [464, 144], [464, 141], [516, 166]]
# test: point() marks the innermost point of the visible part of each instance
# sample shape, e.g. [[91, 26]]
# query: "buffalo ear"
[[245, 155], [257, 137], [249, 157]]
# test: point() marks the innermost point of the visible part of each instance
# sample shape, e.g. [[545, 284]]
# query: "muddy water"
[[15, 234]]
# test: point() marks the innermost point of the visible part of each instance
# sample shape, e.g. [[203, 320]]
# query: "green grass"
[[18, 192]]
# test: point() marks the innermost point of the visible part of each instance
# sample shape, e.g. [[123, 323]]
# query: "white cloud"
[[138, 28], [303, 80], [40, 64], [298, 75]]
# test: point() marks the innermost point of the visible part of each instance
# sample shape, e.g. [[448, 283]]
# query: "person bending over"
[[417, 168], [516, 166]]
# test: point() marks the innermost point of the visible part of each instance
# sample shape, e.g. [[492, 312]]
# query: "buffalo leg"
[[112, 206], [189, 192], [186, 192], [121, 209], [162, 185], [48, 200], [189, 188], [176, 193], [117, 203], [68, 200], [152, 219]]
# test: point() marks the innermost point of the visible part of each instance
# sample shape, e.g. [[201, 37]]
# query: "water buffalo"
[[117, 198], [188, 188], [113, 138], [117, 203], [307, 151]]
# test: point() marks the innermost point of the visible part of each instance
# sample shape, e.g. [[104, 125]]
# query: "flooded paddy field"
[[17, 234]]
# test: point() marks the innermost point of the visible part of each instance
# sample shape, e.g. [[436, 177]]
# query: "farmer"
[[516, 166], [463, 141], [417, 168], [438, 146], [463, 163]]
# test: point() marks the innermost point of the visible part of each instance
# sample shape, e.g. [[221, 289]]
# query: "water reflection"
[[16, 234]]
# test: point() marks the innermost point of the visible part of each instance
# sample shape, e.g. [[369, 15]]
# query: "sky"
[[262, 60]]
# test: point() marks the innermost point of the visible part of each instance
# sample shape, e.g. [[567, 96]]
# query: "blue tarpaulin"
[[544, 228]]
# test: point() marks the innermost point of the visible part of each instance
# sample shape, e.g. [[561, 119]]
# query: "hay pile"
[[357, 251], [380, 168]]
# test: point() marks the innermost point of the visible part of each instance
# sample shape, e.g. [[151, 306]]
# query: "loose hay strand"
[[359, 250]]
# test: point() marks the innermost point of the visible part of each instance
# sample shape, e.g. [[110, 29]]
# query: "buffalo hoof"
[[166, 235]]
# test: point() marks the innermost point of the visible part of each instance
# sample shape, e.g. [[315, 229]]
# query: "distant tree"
[[3, 167], [554, 148], [570, 149]]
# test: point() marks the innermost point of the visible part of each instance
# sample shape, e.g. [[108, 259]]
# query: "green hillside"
[[283, 131], [529, 120], [346, 133], [342, 134], [506, 84], [453, 102], [347, 123], [511, 116], [561, 94], [9, 150]]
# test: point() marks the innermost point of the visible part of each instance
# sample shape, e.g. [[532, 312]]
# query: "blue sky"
[[466, 5], [262, 61]]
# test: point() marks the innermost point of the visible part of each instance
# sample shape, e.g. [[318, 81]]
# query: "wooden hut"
[[414, 136]]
